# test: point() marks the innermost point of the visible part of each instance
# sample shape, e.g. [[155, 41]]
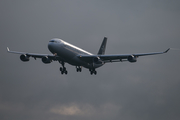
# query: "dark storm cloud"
[[148, 89]]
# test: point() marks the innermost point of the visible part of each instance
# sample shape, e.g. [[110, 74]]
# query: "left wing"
[[117, 57]]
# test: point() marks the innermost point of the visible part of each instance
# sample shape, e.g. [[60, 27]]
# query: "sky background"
[[146, 90]]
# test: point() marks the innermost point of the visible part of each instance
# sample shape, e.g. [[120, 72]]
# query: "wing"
[[117, 57], [35, 55]]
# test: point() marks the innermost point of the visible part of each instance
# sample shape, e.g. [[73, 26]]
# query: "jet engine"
[[24, 58], [131, 58], [97, 60], [46, 60]]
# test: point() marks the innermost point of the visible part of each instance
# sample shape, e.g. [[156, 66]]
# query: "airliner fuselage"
[[70, 53]]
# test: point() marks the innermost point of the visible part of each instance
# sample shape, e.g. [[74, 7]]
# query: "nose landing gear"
[[78, 68], [63, 69]]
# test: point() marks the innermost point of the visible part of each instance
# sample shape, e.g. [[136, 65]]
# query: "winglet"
[[8, 49], [166, 50]]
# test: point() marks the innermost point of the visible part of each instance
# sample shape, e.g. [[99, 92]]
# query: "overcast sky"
[[146, 90]]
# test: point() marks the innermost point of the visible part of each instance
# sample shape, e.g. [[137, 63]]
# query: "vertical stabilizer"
[[103, 47]]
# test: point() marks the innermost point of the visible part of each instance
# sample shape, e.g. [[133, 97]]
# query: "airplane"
[[64, 52]]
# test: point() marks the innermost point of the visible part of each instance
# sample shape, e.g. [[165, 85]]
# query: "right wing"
[[35, 55]]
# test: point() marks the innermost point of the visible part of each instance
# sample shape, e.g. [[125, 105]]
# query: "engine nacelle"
[[46, 60], [24, 58], [97, 60], [131, 58]]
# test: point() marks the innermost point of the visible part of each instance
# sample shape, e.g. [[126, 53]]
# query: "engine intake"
[[24, 58], [97, 60], [131, 58], [46, 60]]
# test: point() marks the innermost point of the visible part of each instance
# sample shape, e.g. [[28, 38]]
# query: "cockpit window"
[[55, 41], [52, 41]]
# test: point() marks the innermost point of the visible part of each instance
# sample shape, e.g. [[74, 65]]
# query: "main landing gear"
[[93, 71], [63, 70], [78, 69]]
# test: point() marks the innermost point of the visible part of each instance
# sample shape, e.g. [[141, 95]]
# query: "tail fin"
[[103, 47]]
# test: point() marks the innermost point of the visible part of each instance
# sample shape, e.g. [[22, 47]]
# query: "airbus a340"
[[64, 52]]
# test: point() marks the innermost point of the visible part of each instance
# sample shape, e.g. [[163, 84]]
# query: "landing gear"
[[78, 68], [93, 71], [63, 69]]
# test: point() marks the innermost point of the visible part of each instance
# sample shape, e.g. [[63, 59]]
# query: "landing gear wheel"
[[63, 70], [91, 72], [78, 68]]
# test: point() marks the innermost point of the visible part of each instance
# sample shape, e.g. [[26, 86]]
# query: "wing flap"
[[105, 58]]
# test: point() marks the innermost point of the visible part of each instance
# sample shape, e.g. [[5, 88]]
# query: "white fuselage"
[[69, 53]]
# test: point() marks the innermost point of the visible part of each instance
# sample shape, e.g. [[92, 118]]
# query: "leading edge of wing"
[[36, 55], [155, 53], [15, 52], [88, 58]]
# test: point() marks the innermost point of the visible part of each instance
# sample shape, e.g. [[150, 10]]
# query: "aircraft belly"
[[72, 59], [69, 56], [87, 65]]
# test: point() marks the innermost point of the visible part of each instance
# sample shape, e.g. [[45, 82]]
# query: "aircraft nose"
[[50, 46]]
